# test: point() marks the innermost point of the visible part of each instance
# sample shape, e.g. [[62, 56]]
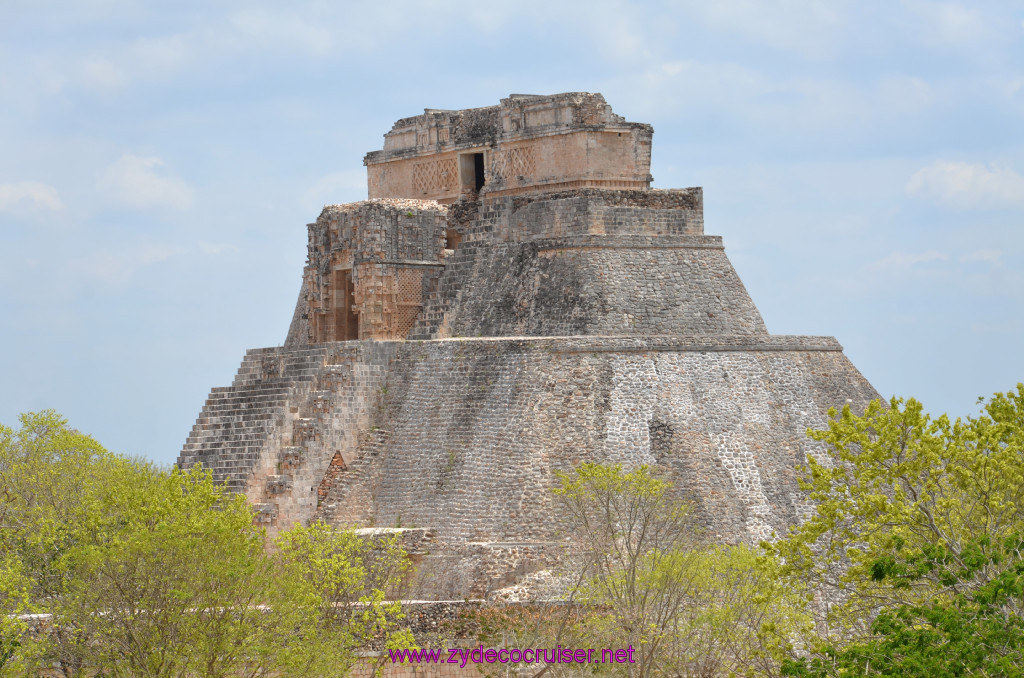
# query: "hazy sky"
[[159, 162]]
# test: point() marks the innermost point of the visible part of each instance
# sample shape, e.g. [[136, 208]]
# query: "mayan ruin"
[[513, 299]]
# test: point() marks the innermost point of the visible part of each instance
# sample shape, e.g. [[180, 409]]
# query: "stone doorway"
[[471, 170], [346, 322]]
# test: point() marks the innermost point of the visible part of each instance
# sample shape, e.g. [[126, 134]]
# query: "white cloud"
[[159, 57], [28, 196], [337, 187], [949, 23], [215, 248], [1007, 86], [903, 261], [138, 182], [993, 257], [143, 59], [904, 94], [784, 103], [100, 73], [806, 27], [1011, 326], [625, 36], [169, 52], [965, 185], [35, 77], [283, 29], [666, 88], [117, 267]]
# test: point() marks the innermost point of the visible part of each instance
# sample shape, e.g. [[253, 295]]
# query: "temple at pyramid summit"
[[511, 300]]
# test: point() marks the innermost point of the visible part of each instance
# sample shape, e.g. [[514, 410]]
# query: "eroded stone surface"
[[445, 360], [526, 144]]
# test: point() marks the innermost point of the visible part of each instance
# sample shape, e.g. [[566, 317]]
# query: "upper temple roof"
[[526, 143]]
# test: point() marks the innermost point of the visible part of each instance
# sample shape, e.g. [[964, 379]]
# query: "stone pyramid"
[[513, 299]]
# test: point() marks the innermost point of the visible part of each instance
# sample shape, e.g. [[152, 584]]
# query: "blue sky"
[[864, 162]]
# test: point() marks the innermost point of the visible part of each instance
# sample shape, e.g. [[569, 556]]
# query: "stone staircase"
[[236, 421], [289, 417], [449, 286]]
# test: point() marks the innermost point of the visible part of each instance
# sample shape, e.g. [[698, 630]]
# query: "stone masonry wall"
[[371, 266], [599, 212], [591, 285], [585, 212], [470, 432], [462, 437], [591, 262], [575, 262], [232, 429], [527, 144], [289, 417]]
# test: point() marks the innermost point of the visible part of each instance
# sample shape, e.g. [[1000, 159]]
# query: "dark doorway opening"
[[346, 322], [478, 168], [471, 171]]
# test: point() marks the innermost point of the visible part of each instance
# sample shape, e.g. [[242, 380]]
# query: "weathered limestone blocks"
[[233, 427], [528, 143], [476, 429], [275, 433], [371, 267], [600, 285], [445, 361], [589, 211], [563, 263], [463, 436]]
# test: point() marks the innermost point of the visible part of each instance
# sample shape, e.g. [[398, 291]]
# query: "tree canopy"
[[914, 544], [909, 562], [655, 582], [138, 571]]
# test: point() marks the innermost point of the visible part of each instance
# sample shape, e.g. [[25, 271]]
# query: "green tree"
[[686, 606], [13, 603], [978, 632], [47, 474], [146, 572], [348, 588], [914, 540], [173, 581]]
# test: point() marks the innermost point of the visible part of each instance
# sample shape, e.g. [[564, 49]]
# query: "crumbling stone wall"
[[527, 144], [274, 433], [606, 285], [585, 212], [476, 428], [548, 327], [575, 262], [593, 262], [371, 266], [463, 436]]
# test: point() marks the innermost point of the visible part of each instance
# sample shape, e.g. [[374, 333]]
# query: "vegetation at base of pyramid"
[[910, 562], [113, 567]]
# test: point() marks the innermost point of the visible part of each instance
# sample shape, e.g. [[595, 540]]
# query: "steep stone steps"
[[230, 432]]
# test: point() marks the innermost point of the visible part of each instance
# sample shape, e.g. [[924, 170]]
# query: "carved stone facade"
[[455, 344], [526, 144], [371, 267]]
